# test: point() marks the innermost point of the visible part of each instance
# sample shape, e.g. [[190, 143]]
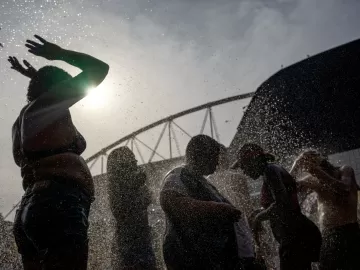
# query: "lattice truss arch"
[[169, 127]]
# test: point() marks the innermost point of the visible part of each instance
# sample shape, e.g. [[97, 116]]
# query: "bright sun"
[[95, 98]]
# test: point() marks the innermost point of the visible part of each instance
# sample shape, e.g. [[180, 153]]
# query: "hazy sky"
[[165, 56]]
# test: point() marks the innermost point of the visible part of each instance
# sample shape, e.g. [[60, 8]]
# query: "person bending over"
[[202, 228], [299, 238]]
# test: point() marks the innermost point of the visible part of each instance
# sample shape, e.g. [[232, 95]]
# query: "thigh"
[[291, 258], [29, 255], [352, 249], [68, 255], [57, 224], [333, 252]]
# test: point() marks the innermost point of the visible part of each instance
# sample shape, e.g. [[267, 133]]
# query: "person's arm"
[[188, 209], [93, 73], [28, 71], [295, 167], [54, 103], [309, 183], [266, 213], [273, 178], [332, 184]]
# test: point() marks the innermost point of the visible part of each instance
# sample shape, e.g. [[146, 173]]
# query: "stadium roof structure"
[[169, 126], [313, 103]]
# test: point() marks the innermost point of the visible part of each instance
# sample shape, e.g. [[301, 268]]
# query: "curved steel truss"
[[169, 127]]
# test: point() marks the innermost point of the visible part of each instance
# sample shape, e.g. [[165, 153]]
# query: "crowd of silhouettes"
[[204, 229]]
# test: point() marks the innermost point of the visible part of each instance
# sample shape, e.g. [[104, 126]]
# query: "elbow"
[[105, 69], [98, 74], [102, 71]]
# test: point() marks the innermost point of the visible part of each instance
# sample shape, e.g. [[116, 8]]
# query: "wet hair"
[[44, 79], [121, 155], [257, 150], [200, 147], [324, 163]]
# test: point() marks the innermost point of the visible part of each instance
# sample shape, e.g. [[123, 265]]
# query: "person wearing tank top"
[[51, 224], [299, 239], [337, 190]]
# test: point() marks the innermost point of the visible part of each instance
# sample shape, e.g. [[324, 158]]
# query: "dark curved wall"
[[313, 103]]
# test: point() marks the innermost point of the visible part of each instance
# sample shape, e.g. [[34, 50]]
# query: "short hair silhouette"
[[44, 79], [201, 146]]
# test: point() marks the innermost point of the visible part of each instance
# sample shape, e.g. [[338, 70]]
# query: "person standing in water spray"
[[202, 230], [337, 189], [129, 198], [51, 224], [298, 237]]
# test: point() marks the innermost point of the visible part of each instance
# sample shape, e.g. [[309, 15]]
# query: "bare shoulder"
[[346, 169], [308, 178]]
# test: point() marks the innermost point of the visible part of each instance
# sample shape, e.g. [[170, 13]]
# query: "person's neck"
[[194, 170]]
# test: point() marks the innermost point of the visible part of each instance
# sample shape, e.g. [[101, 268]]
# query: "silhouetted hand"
[[28, 70], [47, 50]]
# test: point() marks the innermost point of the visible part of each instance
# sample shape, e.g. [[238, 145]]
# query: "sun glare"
[[95, 98]]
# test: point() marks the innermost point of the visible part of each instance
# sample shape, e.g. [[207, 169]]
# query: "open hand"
[[28, 70], [47, 50]]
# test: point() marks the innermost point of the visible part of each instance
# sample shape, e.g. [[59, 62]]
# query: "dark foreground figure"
[[299, 238], [203, 229], [337, 198], [129, 201], [52, 222]]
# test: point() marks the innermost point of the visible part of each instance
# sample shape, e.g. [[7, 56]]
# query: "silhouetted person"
[[233, 184], [298, 237], [129, 201], [52, 221], [202, 229], [337, 198]]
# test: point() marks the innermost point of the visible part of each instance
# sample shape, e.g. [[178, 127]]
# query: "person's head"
[[121, 158], [44, 79], [202, 154], [251, 159], [316, 158]]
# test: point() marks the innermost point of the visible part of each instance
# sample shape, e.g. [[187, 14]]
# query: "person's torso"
[[54, 152], [336, 210], [215, 236], [285, 212]]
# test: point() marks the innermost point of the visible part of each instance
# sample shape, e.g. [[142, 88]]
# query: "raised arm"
[[93, 72], [332, 184], [54, 103]]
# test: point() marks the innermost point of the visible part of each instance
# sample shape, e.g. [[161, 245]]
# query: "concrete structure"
[[314, 103], [311, 104]]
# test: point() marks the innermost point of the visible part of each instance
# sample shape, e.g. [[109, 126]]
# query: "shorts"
[[51, 226], [302, 247], [340, 248]]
